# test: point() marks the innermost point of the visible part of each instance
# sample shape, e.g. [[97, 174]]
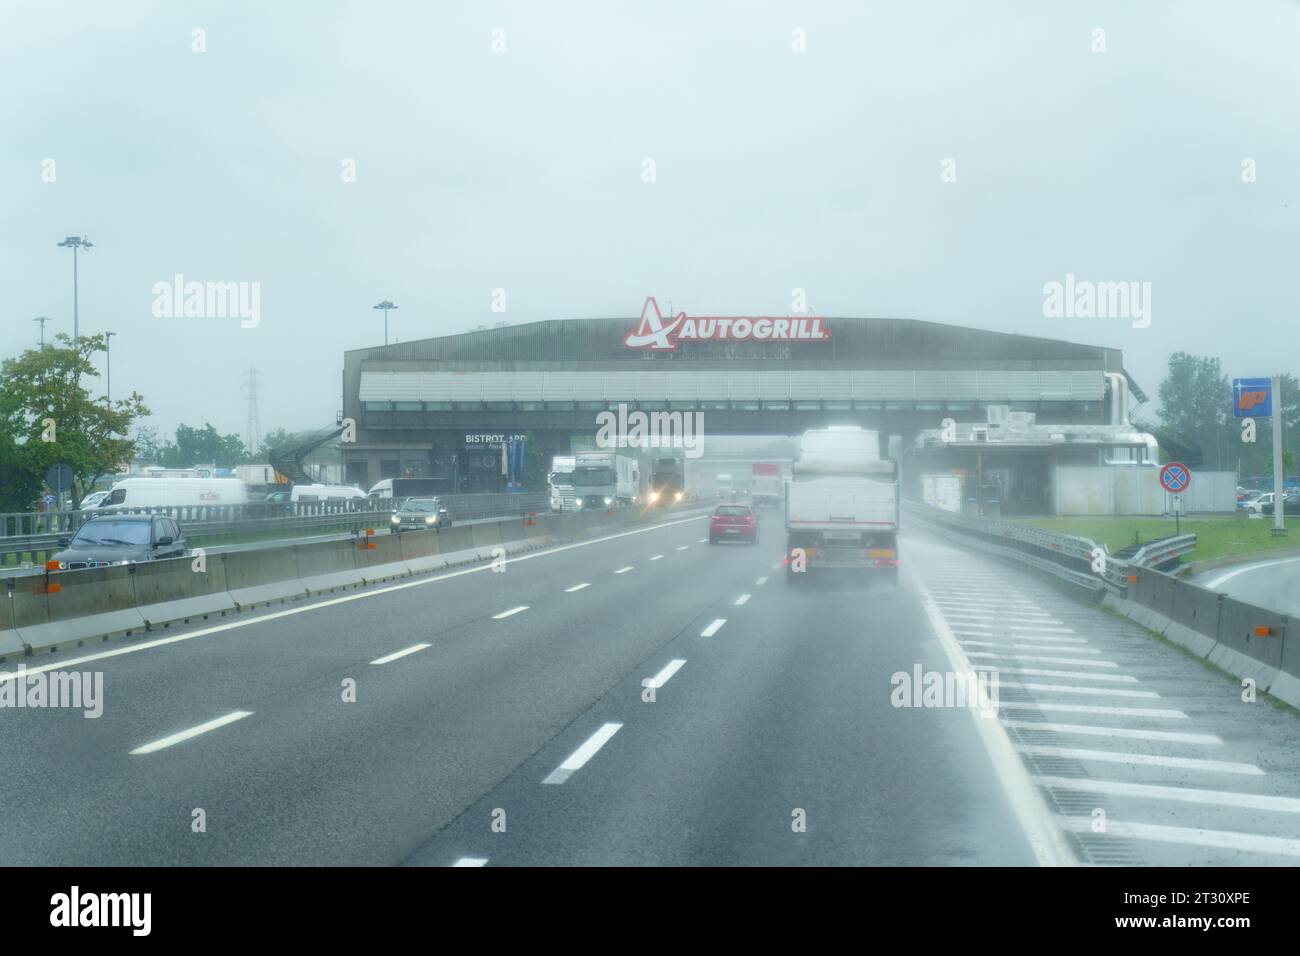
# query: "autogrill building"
[[440, 407]]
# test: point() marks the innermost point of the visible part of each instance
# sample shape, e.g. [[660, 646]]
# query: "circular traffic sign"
[[1175, 476], [59, 476]]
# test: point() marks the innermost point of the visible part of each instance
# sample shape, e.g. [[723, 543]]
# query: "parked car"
[[1256, 504], [420, 514], [733, 522], [1290, 504], [121, 539], [93, 499]]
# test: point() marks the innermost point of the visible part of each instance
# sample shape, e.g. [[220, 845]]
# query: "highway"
[[1272, 583], [501, 718]]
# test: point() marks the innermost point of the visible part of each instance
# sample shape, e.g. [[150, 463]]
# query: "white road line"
[[1189, 836], [320, 605], [577, 587], [578, 759], [471, 861], [656, 557], [1067, 689], [1040, 629], [1029, 647], [1057, 643], [1092, 730], [1158, 712], [389, 658], [1212, 585], [703, 541], [683, 547], [977, 620], [1145, 760], [761, 581], [1219, 798], [1048, 660], [513, 610], [185, 735], [665, 675], [1045, 839], [714, 627], [741, 600], [1073, 675], [624, 570]]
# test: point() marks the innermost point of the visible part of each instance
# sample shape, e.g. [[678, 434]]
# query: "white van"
[[332, 494], [175, 492]]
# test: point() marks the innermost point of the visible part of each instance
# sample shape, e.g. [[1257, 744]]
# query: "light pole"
[[385, 307], [42, 320], [74, 243], [108, 362]]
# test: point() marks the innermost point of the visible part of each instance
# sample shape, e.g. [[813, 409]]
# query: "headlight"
[[577, 502], [396, 520], [654, 496], [678, 496], [432, 519], [609, 501]]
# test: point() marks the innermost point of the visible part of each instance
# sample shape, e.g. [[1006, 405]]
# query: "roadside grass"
[[1216, 535]]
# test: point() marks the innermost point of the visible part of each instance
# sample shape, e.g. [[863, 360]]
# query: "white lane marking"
[[1045, 839], [1219, 798], [1074, 675], [1163, 713], [1068, 689], [683, 547], [578, 759], [714, 627], [624, 570], [320, 605], [1040, 629], [703, 541], [656, 557], [1250, 567], [184, 735], [513, 610], [577, 587], [1189, 836], [1145, 760], [1029, 647], [665, 675], [389, 658], [1092, 730], [977, 620], [471, 861], [974, 604], [1057, 643], [1049, 660], [741, 600], [777, 566], [761, 581]]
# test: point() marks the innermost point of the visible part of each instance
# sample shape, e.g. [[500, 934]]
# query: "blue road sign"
[[1175, 477], [1252, 397]]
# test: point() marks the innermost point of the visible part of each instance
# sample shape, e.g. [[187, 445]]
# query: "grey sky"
[[522, 170]]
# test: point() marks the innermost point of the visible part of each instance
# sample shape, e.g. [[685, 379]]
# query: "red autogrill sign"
[[655, 332]]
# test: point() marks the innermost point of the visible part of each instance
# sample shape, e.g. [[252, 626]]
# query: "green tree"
[[47, 415], [1195, 399], [202, 446]]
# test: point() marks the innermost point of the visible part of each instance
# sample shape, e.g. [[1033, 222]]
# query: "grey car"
[[420, 514], [121, 539]]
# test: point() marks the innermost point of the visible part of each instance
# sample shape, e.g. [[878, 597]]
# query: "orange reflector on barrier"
[[1132, 579], [53, 588], [51, 565], [1261, 631]]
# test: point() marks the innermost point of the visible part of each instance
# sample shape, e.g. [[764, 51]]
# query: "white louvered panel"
[[808, 386], [650, 387], [590, 386], [931, 386], [682, 386], [435, 386], [830, 386], [527, 386], [710, 385], [1087, 386], [898, 386], [774, 386], [1023, 386], [389, 387], [557, 386], [993, 385], [742, 386], [467, 388], [963, 386], [496, 386], [1054, 386], [867, 386]]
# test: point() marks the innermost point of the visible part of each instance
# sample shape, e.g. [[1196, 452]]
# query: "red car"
[[733, 522]]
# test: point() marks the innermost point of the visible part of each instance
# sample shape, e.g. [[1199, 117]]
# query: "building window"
[[593, 406], [388, 468], [777, 406], [499, 406], [811, 406], [437, 406], [529, 406], [377, 407], [408, 407]]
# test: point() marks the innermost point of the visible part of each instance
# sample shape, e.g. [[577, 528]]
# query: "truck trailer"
[[560, 480], [841, 507], [604, 479], [766, 487]]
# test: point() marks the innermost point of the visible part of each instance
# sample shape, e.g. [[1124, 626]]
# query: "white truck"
[[841, 506], [603, 479], [942, 490], [560, 480]]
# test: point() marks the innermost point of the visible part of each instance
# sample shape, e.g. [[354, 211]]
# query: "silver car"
[[420, 514]]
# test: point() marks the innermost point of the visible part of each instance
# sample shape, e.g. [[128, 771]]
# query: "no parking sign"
[[1175, 477]]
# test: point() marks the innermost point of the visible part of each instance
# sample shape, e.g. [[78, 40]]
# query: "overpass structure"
[[439, 407]]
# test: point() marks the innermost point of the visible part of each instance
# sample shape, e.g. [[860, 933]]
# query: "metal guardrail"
[[1069, 557]]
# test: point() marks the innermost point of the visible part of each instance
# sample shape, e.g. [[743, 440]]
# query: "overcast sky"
[[524, 170]]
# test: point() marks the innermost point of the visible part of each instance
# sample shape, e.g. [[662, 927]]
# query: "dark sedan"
[[121, 539]]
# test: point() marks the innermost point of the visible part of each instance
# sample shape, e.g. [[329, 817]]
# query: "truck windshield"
[[590, 477]]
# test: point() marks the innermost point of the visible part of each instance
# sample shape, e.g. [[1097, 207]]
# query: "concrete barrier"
[[1286, 685], [1243, 652], [171, 590], [327, 566], [456, 545], [384, 561], [262, 576], [486, 538], [1153, 592], [1195, 619], [11, 645], [93, 603], [421, 552], [30, 607]]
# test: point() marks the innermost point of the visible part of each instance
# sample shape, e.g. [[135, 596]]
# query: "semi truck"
[[841, 507], [766, 488], [604, 479], [667, 482], [560, 480]]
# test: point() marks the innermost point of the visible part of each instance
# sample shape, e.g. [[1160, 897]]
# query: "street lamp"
[[42, 320], [108, 362], [385, 307], [74, 243]]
